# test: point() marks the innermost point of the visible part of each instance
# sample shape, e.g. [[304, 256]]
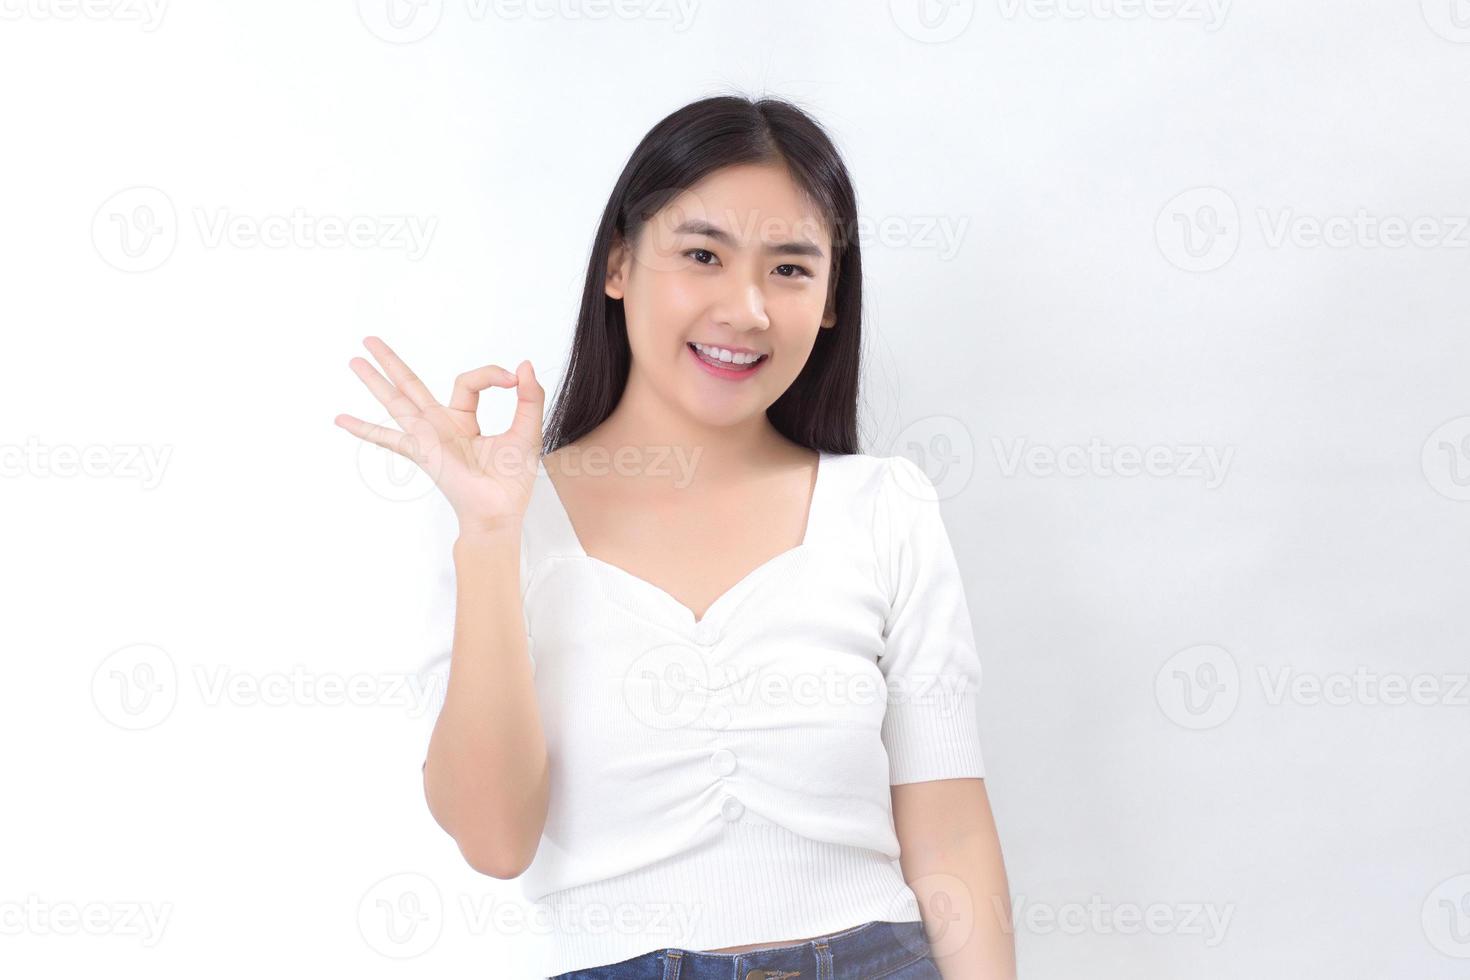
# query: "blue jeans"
[[873, 951]]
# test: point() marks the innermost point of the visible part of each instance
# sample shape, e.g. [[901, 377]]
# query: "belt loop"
[[673, 960], [824, 961]]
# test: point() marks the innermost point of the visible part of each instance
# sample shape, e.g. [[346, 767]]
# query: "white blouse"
[[724, 781]]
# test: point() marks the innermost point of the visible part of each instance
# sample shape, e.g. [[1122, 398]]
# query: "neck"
[[659, 437]]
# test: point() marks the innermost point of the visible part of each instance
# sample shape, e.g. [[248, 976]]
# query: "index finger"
[[398, 372], [467, 387]]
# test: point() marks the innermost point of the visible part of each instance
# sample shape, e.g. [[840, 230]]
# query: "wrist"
[[482, 537]]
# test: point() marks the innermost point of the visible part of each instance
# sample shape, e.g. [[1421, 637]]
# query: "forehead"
[[753, 202]]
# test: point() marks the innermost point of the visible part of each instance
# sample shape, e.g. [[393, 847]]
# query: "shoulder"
[[888, 482], [885, 501], [862, 467]]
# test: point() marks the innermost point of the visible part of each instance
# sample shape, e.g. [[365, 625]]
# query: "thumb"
[[530, 406]]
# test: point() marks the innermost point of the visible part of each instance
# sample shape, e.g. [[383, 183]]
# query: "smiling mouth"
[[733, 366]]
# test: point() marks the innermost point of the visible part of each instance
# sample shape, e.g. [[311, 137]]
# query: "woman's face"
[[740, 265]]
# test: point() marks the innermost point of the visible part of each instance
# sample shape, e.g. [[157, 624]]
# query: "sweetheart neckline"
[[738, 587]]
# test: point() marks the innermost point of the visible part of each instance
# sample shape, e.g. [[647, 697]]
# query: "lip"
[[726, 374], [730, 347]]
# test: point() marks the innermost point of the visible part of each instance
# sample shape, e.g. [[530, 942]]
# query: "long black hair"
[[819, 410]]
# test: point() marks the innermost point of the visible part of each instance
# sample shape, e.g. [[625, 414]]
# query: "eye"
[[802, 271], [693, 253]]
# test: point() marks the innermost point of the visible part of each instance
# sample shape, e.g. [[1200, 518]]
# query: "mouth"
[[726, 363]]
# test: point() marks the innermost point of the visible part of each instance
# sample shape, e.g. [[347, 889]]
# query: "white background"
[[1113, 188]]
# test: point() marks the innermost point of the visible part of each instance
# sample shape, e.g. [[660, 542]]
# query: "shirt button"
[[732, 808], [724, 761]]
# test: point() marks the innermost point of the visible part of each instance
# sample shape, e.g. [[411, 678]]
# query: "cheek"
[[664, 303], [797, 311]]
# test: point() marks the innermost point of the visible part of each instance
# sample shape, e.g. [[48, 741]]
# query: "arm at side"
[[486, 778]]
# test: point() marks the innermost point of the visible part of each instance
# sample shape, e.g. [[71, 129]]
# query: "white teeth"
[[728, 356]]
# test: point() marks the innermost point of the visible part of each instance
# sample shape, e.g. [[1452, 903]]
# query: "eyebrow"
[[695, 226]]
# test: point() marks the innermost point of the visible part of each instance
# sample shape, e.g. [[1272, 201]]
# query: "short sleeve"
[[929, 660]]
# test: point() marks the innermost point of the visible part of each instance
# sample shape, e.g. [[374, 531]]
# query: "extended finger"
[[379, 435], [467, 387], [399, 405], [530, 404], [406, 381]]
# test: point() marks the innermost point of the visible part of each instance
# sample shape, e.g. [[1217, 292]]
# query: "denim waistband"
[[871, 949]]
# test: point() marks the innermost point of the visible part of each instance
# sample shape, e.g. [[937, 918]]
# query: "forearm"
[[486, 776], [965, 903]]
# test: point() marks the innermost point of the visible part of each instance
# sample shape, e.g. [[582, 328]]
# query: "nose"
[[743, 308]]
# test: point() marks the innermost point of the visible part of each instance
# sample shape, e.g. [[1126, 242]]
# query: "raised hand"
[[486, 478]]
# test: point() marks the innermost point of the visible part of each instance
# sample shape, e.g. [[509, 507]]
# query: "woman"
[[746, 745]]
